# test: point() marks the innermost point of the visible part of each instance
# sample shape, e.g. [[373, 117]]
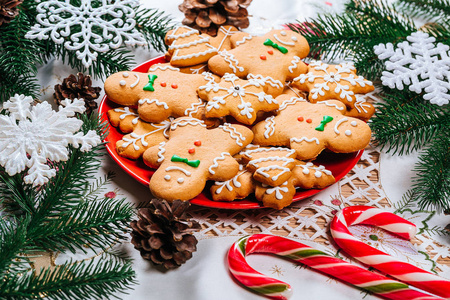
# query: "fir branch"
[[12, 240], [93, 224], [436, 10], [15, 197], [406, 122], [153, 25], [407, 201], [97, 186], [81, 280], [431, 183]]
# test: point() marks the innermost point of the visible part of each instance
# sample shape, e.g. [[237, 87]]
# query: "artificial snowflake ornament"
[[33, 135], [88, 28], [420, 64]]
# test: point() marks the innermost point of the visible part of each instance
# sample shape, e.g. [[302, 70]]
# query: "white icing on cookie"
[[122, 82], [246, 38], [234, 134], [162, 68], [180, 180], [194, 108], [354, 123], [136, 82], [278, 190], [291, 101], [161, 152], [156, 101], [338, 123], [216, 163], [270, 127], [348, 132], [176, 168], [331, 105], [294, 63], [187, 121], [164, 125], [309, 140], [167, 177], [126, 112], [233, 180], [230, 59], [283, 42], [263, 171]]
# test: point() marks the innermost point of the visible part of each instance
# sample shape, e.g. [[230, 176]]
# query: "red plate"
[[338, 164]]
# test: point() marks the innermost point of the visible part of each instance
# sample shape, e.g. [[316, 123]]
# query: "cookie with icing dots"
[[324, 81], [270, 165], [309, 128], [161, 93], [276, 54], [141, 135], [304, 176], [193, 155], [187, 47], [240, 98]]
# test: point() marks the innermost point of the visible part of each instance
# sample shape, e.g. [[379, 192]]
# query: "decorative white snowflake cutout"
[[97, 28], [420, 64], [31, 136]]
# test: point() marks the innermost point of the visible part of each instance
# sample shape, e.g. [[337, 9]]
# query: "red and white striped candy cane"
[[316, 259], [367, 215]]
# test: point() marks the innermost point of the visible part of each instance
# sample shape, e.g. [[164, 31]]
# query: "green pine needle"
[[94, 279], [12, 239], [153, 24], [432, 179], [437, 10]]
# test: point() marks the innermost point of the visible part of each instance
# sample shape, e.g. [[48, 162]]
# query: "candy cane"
[[316, 259], [377, 259]]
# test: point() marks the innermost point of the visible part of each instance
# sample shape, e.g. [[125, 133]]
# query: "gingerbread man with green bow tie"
[[192, 155], [276, 54]]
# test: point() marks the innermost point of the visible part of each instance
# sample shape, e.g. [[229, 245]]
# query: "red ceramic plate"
[[338, 164]]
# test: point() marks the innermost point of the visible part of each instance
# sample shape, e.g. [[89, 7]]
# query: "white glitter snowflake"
[[31, 136], [420, 64], [97, 28]]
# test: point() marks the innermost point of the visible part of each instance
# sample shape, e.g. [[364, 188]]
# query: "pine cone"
[[163, 235], [208, 15], [81, 88], [8, 10]]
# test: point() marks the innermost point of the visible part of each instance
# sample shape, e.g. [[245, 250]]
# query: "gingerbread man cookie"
[[162, 93], [238, 187], [142, 135], [187, 47], [193, 155], [304, 175], [324, 81], [270, 165], [240, 98], [276, 54], [309, 128]]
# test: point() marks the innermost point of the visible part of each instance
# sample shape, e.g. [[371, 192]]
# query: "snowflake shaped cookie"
[[31, 136], [242, 99], [102, 27], [324, 81], [420, 64]]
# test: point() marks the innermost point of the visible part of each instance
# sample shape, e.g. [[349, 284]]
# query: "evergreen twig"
[[153, 24], [438, 10]]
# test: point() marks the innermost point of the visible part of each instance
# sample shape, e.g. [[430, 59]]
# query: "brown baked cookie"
[[309, 128], [162, 93], [270, 165], [304, 175], [276, 54], [238, 187], [222, 41], [187, 47], [324, 81], [142, 135], [240, 98], [193, 155]]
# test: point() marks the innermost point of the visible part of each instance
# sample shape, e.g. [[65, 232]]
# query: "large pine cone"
[[208, 15], [163, 235], [8, 10], [80, 88]]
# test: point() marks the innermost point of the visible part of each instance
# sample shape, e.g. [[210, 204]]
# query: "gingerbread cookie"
[[304, 175], [240, 98], [162, 93], [324, 81], [193, 155], [363, 110], [271, 166], [276, 54], [309, 128], [222, 41], [238, 187], [142, 135], [187, 47]]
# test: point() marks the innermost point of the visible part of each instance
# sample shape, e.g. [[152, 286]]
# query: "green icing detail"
[[326, 119], [306, 253], [373, 237], [386, 287], [192, 163], [269, 42], [149, 86], [271, 289]]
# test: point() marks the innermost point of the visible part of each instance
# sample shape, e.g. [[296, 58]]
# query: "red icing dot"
[[270, 51], [192, 150], [308, 120], [263, 57], [174, 86], [197, 143], [300, 119], [163, 84]]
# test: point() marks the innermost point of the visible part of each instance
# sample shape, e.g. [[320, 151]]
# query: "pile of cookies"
[[242, 111]]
